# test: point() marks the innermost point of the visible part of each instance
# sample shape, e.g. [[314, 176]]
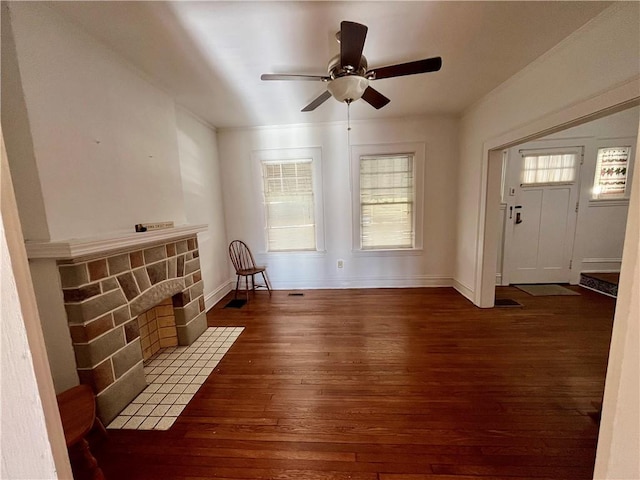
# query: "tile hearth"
[[174, 375]]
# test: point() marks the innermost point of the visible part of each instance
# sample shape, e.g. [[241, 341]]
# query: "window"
[[386, 201], [288, 200], [291, 198], [612, 168], [548, 168], [388, 197]]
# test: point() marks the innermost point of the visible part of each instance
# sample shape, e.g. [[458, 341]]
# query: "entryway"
[[542, 204]]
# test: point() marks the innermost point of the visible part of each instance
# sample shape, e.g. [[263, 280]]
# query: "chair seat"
[[251, 271]]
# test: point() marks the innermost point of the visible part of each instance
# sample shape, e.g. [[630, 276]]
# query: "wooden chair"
[[246, 267], [78, 414]]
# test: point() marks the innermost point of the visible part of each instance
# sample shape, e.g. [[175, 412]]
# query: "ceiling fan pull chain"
[[348, 115]]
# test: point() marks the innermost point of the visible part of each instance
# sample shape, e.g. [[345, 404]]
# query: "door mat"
[[506, 302], [236, 303], [545, 290]]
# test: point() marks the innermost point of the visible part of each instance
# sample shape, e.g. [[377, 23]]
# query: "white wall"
[[619, 435], [598, 57], [104, 138], [600, 225], [202, 186], [108, 150], [243, 203], [31, 436]]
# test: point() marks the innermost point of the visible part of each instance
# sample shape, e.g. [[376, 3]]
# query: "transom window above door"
[[547, 168]]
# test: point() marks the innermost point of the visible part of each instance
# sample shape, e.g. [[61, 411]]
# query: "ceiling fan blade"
[[374, 98], [411, 68], [352, 36], [284, 76], [324, 96]]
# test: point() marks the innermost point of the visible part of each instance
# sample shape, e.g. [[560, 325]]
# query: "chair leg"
[[246, 286], [266, 281], [253, 283], [237, 285]]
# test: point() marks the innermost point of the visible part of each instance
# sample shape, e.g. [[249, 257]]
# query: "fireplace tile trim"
[[104, 295]]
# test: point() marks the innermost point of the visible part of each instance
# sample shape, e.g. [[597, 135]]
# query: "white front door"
[[544, 222]]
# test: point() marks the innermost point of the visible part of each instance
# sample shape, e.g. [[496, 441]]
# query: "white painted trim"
[[259, 157], [82, 247], [42, 395], [618, 202], [339, 282], [419, 152], [605, 103], [463, 290], [404, 252], [602, 260], [218, 294]]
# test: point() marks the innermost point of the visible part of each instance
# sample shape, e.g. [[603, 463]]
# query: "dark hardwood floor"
[[389, 384]]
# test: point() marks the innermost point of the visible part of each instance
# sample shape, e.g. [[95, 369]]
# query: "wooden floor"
[[392, 384]]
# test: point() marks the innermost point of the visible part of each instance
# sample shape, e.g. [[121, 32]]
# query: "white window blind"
[[612, 166], [288, 197], [548, 168], [387, 201]]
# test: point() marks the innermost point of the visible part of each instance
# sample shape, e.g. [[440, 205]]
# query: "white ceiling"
[[209, 55]]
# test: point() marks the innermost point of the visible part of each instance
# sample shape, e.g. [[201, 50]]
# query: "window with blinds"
[[387, 201], [548, 168], [612, 166], [289, 208]]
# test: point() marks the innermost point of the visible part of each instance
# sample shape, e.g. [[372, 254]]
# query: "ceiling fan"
[[348, 75]]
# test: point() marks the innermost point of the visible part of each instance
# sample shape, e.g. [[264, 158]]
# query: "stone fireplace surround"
[[106, 284]]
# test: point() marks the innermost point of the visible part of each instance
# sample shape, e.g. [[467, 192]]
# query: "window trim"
[[627, 142], [417, 149], [290, 155], [537, 152]]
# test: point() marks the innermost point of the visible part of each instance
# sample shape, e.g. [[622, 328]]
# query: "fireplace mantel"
[[107, 283], [86, 247]]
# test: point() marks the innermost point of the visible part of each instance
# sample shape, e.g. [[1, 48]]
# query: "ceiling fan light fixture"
[[348, 88]]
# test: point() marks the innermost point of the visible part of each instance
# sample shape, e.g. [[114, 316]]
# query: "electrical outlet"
[[340, 263]]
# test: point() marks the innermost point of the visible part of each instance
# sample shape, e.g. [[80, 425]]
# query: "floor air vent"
[[506, 302], [296, 294]]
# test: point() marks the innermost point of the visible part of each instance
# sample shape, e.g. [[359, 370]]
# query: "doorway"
[[556, 225], [542, 199]]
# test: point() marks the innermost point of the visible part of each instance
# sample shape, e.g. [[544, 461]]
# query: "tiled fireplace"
[[110, 296]]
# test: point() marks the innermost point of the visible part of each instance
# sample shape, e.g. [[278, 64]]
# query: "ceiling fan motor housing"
[[336, 69]]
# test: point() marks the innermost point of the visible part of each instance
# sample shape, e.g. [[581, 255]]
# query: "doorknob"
[[518, 214]]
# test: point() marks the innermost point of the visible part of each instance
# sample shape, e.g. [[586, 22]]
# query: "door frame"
[[612, 101], [564, 145]]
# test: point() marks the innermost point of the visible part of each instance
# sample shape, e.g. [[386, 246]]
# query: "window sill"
[[404, 252], [290, 253]]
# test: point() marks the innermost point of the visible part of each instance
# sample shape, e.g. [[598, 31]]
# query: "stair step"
[[606, 283]]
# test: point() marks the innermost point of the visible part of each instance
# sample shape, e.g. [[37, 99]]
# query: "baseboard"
[[211, 298], [601, 265], [498, 279], [463, 290], [362, 282]]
